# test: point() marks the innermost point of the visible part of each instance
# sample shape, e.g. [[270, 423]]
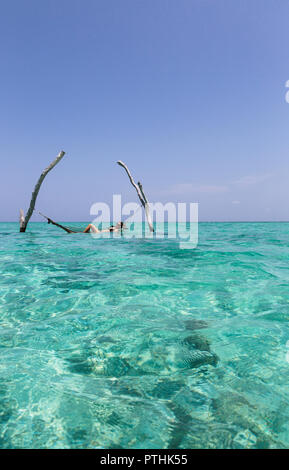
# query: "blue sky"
[[189, 93]]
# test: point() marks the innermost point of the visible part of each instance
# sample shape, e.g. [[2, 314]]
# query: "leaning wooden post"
[[139, 189], [146, 207], [25, 219]]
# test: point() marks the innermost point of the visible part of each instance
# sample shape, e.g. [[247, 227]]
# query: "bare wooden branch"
[[139, 189], [24, 221], [132, 182], [21, 217], [147, 207], [142, 193]]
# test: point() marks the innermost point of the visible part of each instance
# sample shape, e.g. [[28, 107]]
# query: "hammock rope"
[[66, 228]]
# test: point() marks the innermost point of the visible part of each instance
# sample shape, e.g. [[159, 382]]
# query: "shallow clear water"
[[138, 344]]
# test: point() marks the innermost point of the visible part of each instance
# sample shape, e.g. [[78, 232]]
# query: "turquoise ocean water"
[[119, 343]]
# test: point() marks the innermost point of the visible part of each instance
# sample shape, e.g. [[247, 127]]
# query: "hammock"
[[74, 229], [67, 229]]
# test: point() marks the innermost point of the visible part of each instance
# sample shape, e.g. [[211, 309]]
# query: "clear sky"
[[189, 93]]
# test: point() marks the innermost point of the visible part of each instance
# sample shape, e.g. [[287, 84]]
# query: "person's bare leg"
[[91, 228]]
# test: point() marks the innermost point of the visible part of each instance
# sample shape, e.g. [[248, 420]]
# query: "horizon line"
[[185, 221]]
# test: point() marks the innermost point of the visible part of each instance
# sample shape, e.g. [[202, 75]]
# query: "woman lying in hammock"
[[90, 228], [112, 228]]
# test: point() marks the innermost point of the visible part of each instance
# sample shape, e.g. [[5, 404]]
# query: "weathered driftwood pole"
[[139, 189], [25, 219]]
